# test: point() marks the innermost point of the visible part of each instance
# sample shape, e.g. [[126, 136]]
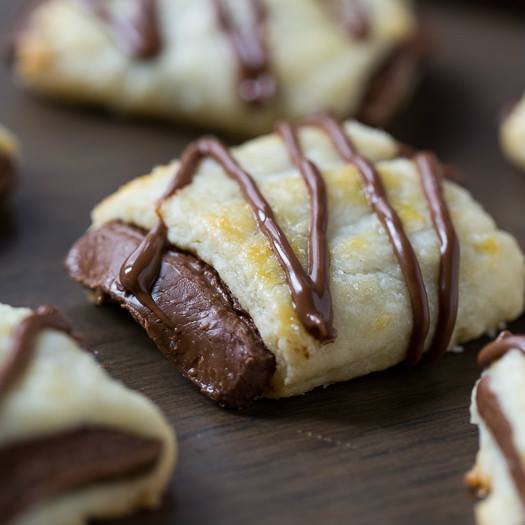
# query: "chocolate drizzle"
[[310, 289], [315, 301], [257, 83], [499, 426], [498, 348], [311, 299], [378, 200], [22, 343], [448, 286], [140, 271], [137, 35]]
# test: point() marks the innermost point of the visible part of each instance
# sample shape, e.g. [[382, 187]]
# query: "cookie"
[[75, 445], [310, 256], [236, 66], [497, 407]]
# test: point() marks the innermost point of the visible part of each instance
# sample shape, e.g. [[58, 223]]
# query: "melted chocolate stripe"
[[378, 200], [142, 268], [138, 35], [256, 80], [448, 287], [310, 306], [498, 348], [499, 426], [21, 347], [318, 259]]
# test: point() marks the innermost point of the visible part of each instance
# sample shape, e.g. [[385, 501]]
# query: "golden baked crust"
[[372, 310]]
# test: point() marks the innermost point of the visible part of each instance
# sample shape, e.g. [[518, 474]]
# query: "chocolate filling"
[[7, 174], [37, 470], [214, 343]]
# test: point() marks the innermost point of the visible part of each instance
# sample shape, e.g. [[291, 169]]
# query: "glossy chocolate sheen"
[[7, 174], [309, 289], [377, 197], [315, 300], [215, 344], [431, 174], [43, 468]]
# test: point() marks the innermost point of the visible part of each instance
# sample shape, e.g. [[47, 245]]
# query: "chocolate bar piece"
[[213, 343]]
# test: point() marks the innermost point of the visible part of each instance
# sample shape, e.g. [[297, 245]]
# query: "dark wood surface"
[[391, 448]]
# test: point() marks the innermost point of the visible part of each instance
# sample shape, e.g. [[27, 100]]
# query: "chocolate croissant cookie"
[[498, 405], [310, 256], [75, 445], [235, 65], [8, 153], [512, 134]]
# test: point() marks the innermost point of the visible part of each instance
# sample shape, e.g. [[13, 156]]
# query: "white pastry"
[[188, 70]]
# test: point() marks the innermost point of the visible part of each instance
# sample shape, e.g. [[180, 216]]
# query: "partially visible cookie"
[[8, 154], [512, 134], [235, 65], [498, 406], [75, 445]]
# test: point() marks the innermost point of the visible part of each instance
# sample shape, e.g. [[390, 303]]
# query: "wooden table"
[[391, 448]]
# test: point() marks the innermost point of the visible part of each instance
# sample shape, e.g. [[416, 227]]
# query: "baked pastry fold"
[[423, 254], [231, 65], [75, 445], [497, 407]]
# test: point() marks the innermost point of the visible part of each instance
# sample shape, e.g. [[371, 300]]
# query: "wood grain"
[[390, 448]]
